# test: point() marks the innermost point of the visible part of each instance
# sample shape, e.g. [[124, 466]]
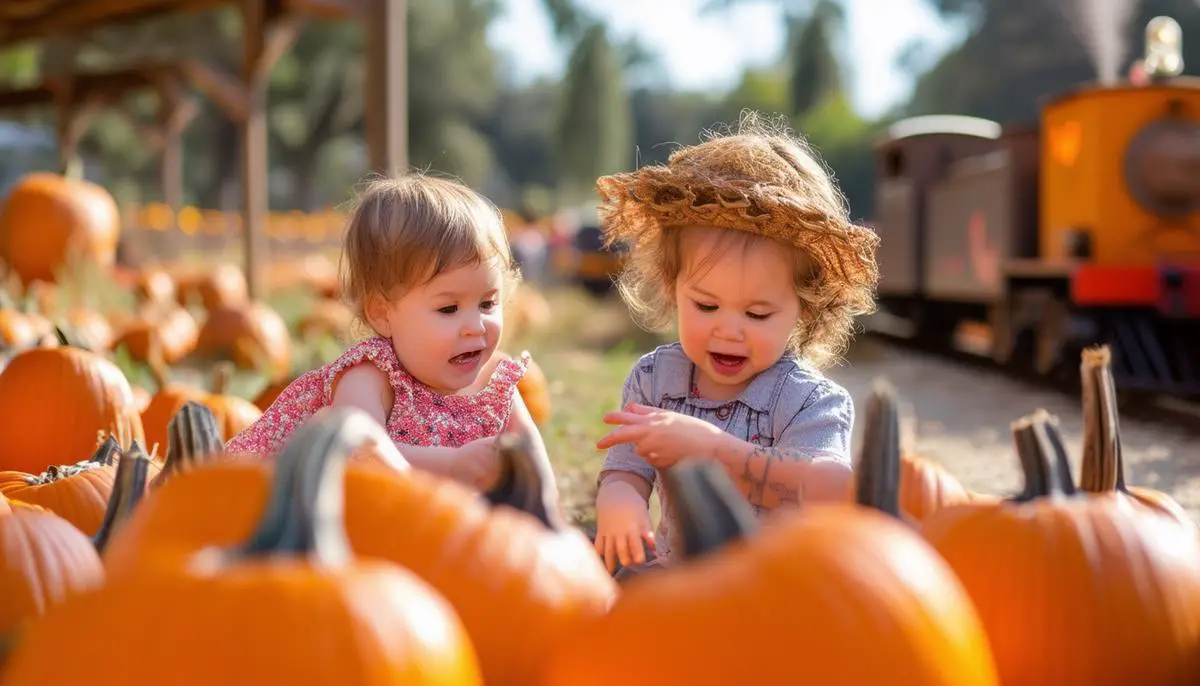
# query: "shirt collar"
[[675, 370]]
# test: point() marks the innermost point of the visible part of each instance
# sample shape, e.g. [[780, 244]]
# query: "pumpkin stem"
[[192, 438], [525, 484], [878, 478], [128, 488], [1044, 461], [304, 515], [222, 372], [1103, 468], [106, 452], [710, 511]]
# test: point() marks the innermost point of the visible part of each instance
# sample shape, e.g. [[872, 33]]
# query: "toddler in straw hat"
[[745, 245]]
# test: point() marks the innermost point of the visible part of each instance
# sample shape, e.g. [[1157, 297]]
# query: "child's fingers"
[[624, 418], [629, 548], [624, 434], [610, 553], [638, 408], [648, 538]]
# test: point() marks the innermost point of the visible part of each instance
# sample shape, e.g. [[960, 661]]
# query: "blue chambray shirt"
[[788, 405]]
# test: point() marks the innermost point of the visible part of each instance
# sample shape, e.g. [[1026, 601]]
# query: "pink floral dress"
[[419, 415]]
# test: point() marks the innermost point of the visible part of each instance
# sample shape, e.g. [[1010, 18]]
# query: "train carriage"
[[1083, 229]]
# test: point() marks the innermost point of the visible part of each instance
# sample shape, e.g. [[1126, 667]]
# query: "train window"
[[894, 163]]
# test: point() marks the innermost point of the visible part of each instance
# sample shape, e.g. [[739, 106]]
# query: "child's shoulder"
[[667, 361], [804, 388]]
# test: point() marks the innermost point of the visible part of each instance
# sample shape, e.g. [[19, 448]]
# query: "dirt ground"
[[963, 414]]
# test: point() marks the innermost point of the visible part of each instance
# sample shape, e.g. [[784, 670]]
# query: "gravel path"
[[963, 417]]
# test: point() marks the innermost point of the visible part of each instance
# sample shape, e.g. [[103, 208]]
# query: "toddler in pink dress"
[[427, 267]]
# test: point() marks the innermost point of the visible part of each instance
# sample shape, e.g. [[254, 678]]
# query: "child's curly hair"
[[763, 180]]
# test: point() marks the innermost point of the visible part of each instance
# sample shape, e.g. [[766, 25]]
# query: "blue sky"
[[711, 51]]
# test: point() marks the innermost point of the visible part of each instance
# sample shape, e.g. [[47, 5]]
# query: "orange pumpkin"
[[17, 330], [1102, 471], [535, 391], [154, 286], [78, 493], [326, 317], [253, 335], [219, 286], [53, 401], [43, 562], [47, 217], [268, 395], [347, 619], [141, 399], [90, 328], [234, 414], [164, 332], [485, 561], [823, 578], [1073, 589]]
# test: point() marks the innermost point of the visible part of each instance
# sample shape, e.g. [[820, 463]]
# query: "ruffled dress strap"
[[379, 352]]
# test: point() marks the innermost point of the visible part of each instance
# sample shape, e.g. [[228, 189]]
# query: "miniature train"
[[1084, 229]]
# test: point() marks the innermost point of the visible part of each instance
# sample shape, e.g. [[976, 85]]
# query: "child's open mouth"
[[467, 360], [727, 364]]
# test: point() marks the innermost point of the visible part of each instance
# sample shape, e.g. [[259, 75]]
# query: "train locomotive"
[[1079, 230]]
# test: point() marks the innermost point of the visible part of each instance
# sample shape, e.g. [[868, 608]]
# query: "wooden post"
[[255, 199], [173, 114], [387, 85]]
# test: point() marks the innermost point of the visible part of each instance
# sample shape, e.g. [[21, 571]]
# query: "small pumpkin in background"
[[1102, 469], [90, 328], [535, 391], [821, 579], [53, 401], [44, 561], [234, 414], [1073, 589], [253, 335], [346, 618], [326, 317], [154, 285], [219, 286], [46, 219], [164, 332]]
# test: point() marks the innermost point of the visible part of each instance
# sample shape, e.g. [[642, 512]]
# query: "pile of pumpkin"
[[335, 563]]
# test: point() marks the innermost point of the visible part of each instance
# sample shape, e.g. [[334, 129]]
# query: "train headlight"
[[1164, 48]]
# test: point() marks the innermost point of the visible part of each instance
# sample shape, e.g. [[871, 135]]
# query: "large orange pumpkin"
[[253, 335], [54, 401], [1075, 590], [780, 604], [345, 619], [486, 561], [79, 492], [43, 562], [46, 217]]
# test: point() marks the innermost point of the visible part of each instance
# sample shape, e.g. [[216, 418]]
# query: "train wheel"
[[1004, 338]]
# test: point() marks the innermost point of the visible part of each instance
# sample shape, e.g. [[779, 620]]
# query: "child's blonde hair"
[[766, 184], [403, 232]]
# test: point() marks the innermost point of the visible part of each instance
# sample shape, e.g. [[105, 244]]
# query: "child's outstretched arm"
[[810, 461]]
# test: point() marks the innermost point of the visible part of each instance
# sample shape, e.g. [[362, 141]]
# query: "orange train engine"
[[1083, 230]]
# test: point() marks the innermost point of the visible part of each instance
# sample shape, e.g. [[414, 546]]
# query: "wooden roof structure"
[[270, 27]]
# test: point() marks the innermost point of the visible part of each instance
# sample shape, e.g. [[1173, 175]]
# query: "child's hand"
[[661, 437], [478, 463], [622, 526]]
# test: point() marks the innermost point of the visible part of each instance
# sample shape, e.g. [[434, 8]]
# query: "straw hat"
[[763, 184]]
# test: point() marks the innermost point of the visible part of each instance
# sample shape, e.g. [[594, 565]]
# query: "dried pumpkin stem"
[[1103, 467], [192, 438], [878, 478], [305, 513], [525, 483], [1044, 461], [711, 513], [128, 488], [106, 452]]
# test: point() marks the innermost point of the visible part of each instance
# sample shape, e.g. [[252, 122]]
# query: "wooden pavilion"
[[270, 27]]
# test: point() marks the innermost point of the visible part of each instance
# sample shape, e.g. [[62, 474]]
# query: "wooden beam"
[[70, 17], [255, 167], [226, 90], [328, 9], [85, 86], [387, 85]]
